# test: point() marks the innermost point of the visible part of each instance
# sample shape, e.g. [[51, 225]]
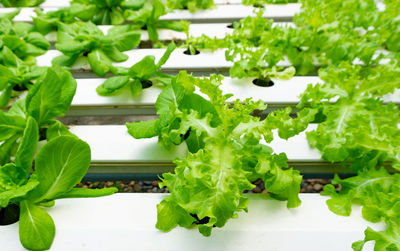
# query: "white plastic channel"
[[64, 3], [113, 144], [222, 13], [217, 30], [206, 60], [283, 92], [127, 221]]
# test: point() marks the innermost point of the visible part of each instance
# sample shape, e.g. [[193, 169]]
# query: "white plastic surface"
[[126, 222], [63, 3], [206, 60], [284, 92], [113, 144], [222, 13]]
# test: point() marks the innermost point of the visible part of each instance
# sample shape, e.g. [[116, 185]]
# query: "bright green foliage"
[[86, 39], [191, 5], [21, 39], [148, 17], [225, 154], [138, 76], [262, 2], [59, 166], [356, 124], [379, 194], [51, 96], [15, 74], [20, 3], [109, 11]]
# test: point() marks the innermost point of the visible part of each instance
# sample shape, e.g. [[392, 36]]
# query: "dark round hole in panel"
[[230, 26], [258, 5], [20, 88], [146, 83], [9, 214], [187, 52], [42, 133], [86, 53], [263, 82]]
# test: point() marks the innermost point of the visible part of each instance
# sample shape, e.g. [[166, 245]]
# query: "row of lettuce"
[[112, 12], [352, 45]]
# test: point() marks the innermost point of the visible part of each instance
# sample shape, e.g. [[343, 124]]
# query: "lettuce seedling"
[[379, 194], [356, 125], [20, 3], [49, 97], [16, 75], [141, 75], [110, 11], [225, 154], [55, 176], [21, 39], [86, 39], [148, 17], [191, 5]]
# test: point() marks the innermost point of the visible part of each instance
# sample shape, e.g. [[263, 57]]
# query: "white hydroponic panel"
[[63, 3], [113, 144], [282, 93], [218, 30], [126, 222], [206, 60], [222, 13]]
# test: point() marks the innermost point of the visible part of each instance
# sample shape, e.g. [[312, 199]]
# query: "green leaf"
[[59, 166], [13, 184], [27, 146], [144, 129], [36, 227], [169, 215], [57, 129], [136, 87], [144, 69], [44, 97], [99, 62], [111, 85], [171, 47], [88, 193], [10, 125]]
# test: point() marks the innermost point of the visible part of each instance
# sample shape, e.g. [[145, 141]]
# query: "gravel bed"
[[152, 186]]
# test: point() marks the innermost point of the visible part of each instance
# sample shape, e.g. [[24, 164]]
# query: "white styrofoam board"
[[64, 3], [206, 60], [222, 13], [283, 92], [113, 144], [127, 221], [217, 30]]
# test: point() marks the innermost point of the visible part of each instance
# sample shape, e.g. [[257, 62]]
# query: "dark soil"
[[151, 186]]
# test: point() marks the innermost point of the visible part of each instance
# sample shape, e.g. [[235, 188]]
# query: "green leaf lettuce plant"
[[141, 75], [225, 154], [87, 40]]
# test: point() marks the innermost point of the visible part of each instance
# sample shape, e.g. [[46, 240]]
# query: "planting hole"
[[9, 215], [257, 5], [263, 82], [230, 26], [188, 52], [146, 83], [20, 88], [42, 133]]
